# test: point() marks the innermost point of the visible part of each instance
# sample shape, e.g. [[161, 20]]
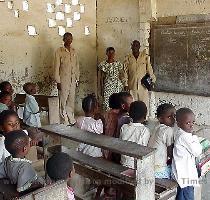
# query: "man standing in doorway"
[[67, 77], [136, 66]]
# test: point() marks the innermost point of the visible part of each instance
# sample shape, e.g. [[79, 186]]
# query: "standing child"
[[163, 140], [60, 167], [89, 123], [186, 148], [135, 131], [5, 101], [31, 115], [16, 168]]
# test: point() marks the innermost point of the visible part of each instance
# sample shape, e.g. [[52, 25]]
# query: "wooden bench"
[[142, 185]]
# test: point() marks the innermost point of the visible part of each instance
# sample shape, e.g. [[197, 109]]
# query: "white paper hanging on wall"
[[59, 16], [77, 16], [75, 2], [82, 8], [87, 30], [58, 2], [31, 30], [25, 6], [61, 30], [10, 5], [51, 23], [69, 22], [16, 13], [67, 8], [2, 0], [50, 8]]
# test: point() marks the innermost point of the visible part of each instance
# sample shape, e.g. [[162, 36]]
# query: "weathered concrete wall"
[[26, 58], [117, 26], [184, 7]]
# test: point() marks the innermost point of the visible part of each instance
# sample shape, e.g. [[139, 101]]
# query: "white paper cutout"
[[67, 8], [31, 30], [58, 2], [75, 2], [50, 8], [69, 22], [51, 23], [59, 16], [25, 6], [82, 8], [87, 30], [61, 30], [10, 5], [77, 16], [16, 13]]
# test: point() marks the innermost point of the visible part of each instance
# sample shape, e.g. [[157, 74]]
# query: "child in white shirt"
[[186, 148], [135, 131], [89, 123], [163, 140], [31, 115]]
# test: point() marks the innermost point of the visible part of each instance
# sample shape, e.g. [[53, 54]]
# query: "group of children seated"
[[173, 137]]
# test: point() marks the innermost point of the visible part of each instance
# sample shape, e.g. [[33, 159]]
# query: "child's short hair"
[[15, 141], [89, 102], [66, 35], [138, 110], [181, 112], [123, 96], [110, 49], [4, 115], [163, 108], [59, 166], [27, 87], [3, 85], [114, 101], [4, 94]]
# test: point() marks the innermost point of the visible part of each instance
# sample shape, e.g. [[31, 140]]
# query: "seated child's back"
[[88, 123], [163, 139], [135, 131], [5, 101], [60, 167], [18, 169]]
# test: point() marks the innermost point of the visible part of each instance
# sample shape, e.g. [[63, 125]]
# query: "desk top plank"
[[101, 141]]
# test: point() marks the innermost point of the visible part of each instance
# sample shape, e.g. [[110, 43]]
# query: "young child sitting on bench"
[[60, 167], [16, 168]]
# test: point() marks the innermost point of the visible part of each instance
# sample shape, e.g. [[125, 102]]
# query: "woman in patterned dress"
[[111, 77]]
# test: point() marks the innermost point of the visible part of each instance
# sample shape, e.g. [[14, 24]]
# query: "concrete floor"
[[206, 188]]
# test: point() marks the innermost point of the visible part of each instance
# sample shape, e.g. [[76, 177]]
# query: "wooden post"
[[145, 177]]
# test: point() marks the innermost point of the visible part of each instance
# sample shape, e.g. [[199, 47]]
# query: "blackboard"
[[180, 56]]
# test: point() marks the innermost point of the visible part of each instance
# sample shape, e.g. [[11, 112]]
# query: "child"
[[186, 148], [5, 101], [163, 139], [5, 86], [135, 131], [125, 99], [31, 115], [60, 167], [111, 117], [89, 123], [16, 168]]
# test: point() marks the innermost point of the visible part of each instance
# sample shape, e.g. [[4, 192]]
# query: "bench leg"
[[145, 177]]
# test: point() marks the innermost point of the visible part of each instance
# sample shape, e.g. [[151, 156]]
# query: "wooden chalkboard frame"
[[155, 26]]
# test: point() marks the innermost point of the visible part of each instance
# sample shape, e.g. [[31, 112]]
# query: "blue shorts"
[[186, 193]]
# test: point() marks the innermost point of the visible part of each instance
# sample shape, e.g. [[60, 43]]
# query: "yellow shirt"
[[135, 70], [66, 66]]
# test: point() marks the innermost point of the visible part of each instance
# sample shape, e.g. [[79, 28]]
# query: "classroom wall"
[[30, 58]]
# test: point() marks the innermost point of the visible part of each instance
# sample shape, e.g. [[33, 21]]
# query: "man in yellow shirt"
[[67, 77], [136, 66]]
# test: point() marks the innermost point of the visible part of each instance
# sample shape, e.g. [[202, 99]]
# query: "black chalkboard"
[[180, 56]]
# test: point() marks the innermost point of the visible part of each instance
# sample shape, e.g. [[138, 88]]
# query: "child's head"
[[125, 100], [185, 119], [5, 86], [110, 52], [29, 88], [17, 143], [114, 102], [9, 121], [90, 104], [166, 114], [60, 167], [138, 111], [6, 98]]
